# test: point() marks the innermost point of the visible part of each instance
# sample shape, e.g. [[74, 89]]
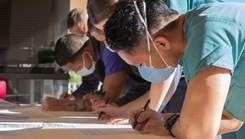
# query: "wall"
[[78, 4]]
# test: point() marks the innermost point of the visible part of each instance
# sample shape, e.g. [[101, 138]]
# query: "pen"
[[66, 95], [102, 95], [107, 101], [93, 92], [142, 110]]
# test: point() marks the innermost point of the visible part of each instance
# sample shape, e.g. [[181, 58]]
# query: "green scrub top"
[[216, 37], [182, 6]]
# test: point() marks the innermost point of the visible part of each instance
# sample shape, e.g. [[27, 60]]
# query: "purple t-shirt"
[[113, 63]]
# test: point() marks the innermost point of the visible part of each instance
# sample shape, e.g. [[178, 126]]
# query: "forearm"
[[229, 124], [136, 103], [77, 105], [203, 106], [136, 91], [113, 85], [89, 84], [160, 92]]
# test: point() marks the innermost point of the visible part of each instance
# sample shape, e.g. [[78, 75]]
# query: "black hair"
[[124, 29], [76, 15], [68, 48]]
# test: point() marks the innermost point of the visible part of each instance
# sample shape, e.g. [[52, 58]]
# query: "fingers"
[[155, 127], [87, 96], [51, 104], [94, 99], [63, 96], [133, 115], [45, 105], [149, 128], [104, 116], [70, 97], [149, 114], [118, 121], [145, 115]]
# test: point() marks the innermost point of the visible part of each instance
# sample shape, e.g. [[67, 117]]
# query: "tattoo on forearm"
[[86, 106], [73, 105]]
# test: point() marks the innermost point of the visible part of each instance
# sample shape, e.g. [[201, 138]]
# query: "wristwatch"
[[170, 122]]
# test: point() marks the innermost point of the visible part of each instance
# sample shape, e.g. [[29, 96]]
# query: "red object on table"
[[2, 89]]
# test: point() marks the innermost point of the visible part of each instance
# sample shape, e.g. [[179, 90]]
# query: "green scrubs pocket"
[[236, 103]]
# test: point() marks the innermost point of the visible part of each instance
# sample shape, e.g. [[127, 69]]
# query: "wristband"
[[170, 122]]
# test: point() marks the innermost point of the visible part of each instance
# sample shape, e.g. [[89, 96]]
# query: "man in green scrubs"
[[208, 41]]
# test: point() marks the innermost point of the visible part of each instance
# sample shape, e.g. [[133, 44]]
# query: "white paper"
[[6, 115], [84, 128], [33, 112], [79, 117], [93, 128], [10, 126]]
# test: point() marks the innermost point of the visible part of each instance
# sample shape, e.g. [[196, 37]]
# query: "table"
[[36, 115]]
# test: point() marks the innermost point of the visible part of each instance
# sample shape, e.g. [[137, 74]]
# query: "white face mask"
[[85, 71]]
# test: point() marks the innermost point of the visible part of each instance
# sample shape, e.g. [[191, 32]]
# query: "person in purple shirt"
[[91, 60]]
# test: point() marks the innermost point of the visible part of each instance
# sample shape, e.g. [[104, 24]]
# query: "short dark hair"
[[99, 10], [68, 48], [76, 15], [124, 29]]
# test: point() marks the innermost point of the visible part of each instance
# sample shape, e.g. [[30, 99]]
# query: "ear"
[[162, 42]]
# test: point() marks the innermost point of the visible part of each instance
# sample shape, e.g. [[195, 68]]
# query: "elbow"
[[198, 135], [194, 131], [236, 125]]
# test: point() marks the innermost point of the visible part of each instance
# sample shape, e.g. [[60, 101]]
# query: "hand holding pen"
[[66, 96], [107, 101], [142, 110]]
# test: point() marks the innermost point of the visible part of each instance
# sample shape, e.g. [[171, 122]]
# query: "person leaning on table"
[[85, 56], [208, 41]]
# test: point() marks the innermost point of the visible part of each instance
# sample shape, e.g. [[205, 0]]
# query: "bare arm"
[[160, 92], [203, 106], [113, 85], [229, 124], [157, 93], [135, 104], [53, 104]]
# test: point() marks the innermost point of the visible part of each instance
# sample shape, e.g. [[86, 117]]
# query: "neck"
[[91, 49], [177, 37]]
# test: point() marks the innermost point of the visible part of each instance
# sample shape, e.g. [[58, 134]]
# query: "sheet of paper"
[[92, 128], [11, 126], [33, 112], [84, 128], [7, 115]]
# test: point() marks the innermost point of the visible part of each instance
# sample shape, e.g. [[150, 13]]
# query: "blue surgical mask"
[[152, 74], [155, 74]]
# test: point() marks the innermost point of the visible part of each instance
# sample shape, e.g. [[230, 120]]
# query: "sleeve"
[[113, 63], [179, 6], [210, 44], [138, 90], [89, 84]]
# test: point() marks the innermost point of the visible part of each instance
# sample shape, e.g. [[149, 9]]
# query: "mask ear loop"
[[144, 21], [148, 35], [84, 59]]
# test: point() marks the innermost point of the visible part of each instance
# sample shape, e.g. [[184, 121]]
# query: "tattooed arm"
[[53, 104]]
